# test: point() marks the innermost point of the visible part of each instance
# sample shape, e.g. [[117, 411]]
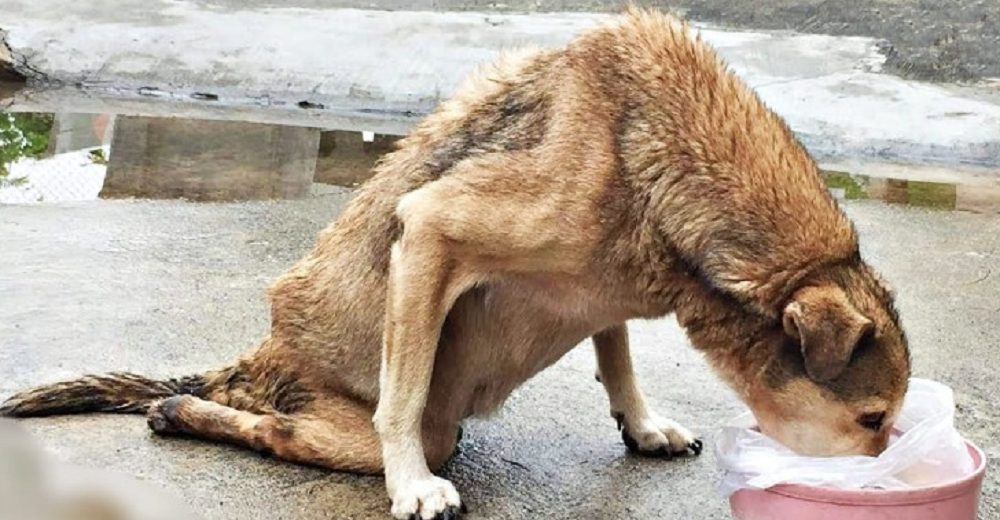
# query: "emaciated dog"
[[556, 196]]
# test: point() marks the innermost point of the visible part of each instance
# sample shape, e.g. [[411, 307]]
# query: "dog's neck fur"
[[724, 189], [741, 343], [732, 335]]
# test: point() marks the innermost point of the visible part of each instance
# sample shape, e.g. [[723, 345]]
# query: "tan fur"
[[556, 196]]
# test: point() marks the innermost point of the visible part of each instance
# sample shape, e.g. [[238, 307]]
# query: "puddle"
[[925, 194]]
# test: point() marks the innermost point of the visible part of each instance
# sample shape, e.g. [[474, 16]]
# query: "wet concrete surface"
[[832, 90], [925, 39], [172, 288]]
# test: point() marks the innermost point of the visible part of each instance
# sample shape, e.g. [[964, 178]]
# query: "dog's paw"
[[162, 417], [431, 498], [655, 436]]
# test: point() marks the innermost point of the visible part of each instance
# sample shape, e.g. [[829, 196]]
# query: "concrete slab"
[[209, 160], [170, 288], [195, 60]]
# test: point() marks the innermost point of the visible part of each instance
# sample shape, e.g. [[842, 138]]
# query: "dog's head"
[[826, 378], [836, 381]]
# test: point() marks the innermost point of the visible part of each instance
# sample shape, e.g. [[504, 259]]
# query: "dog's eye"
[[872, 421]]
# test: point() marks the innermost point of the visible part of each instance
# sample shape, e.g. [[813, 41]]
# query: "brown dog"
[[556, 196]]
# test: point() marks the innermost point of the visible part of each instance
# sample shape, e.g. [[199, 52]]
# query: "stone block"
[[209, 160]]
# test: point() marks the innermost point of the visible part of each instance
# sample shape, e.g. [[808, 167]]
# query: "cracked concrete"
[[170, 288], [12, 80]]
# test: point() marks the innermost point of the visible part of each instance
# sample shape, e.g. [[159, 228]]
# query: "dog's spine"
[[111, 393]]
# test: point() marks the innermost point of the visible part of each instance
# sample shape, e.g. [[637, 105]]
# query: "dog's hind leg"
[[338, 435], [643, 430], [333, 433]]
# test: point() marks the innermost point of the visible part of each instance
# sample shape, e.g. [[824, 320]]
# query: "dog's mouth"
[[857, 449]]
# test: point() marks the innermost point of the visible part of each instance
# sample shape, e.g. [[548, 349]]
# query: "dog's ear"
[[828, 328]]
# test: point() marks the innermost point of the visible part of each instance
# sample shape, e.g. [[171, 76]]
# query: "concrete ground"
[[172, 288], [925, 39]]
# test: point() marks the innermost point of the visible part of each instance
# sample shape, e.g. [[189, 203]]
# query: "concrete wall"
[[346, 159], [209, 160]]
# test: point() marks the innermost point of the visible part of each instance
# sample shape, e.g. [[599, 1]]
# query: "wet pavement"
[[924, 39], [172, 288]]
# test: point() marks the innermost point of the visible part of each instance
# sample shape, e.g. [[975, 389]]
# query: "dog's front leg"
[[643, 430], [423, 284], [490, 215]]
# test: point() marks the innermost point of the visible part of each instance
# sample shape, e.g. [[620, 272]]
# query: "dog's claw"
[[630, 443], [696, 446], [162, 416], [620, 419], [158, 424], [663, 453], [451, 513]]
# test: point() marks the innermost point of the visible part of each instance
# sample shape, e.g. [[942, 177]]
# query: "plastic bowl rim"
[[922, 495]]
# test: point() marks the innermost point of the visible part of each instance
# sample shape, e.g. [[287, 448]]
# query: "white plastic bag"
[[929, 451]]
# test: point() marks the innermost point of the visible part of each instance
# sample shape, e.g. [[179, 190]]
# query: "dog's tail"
[[112, 393]]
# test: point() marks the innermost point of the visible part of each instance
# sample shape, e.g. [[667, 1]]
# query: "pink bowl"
[[958, 500]]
